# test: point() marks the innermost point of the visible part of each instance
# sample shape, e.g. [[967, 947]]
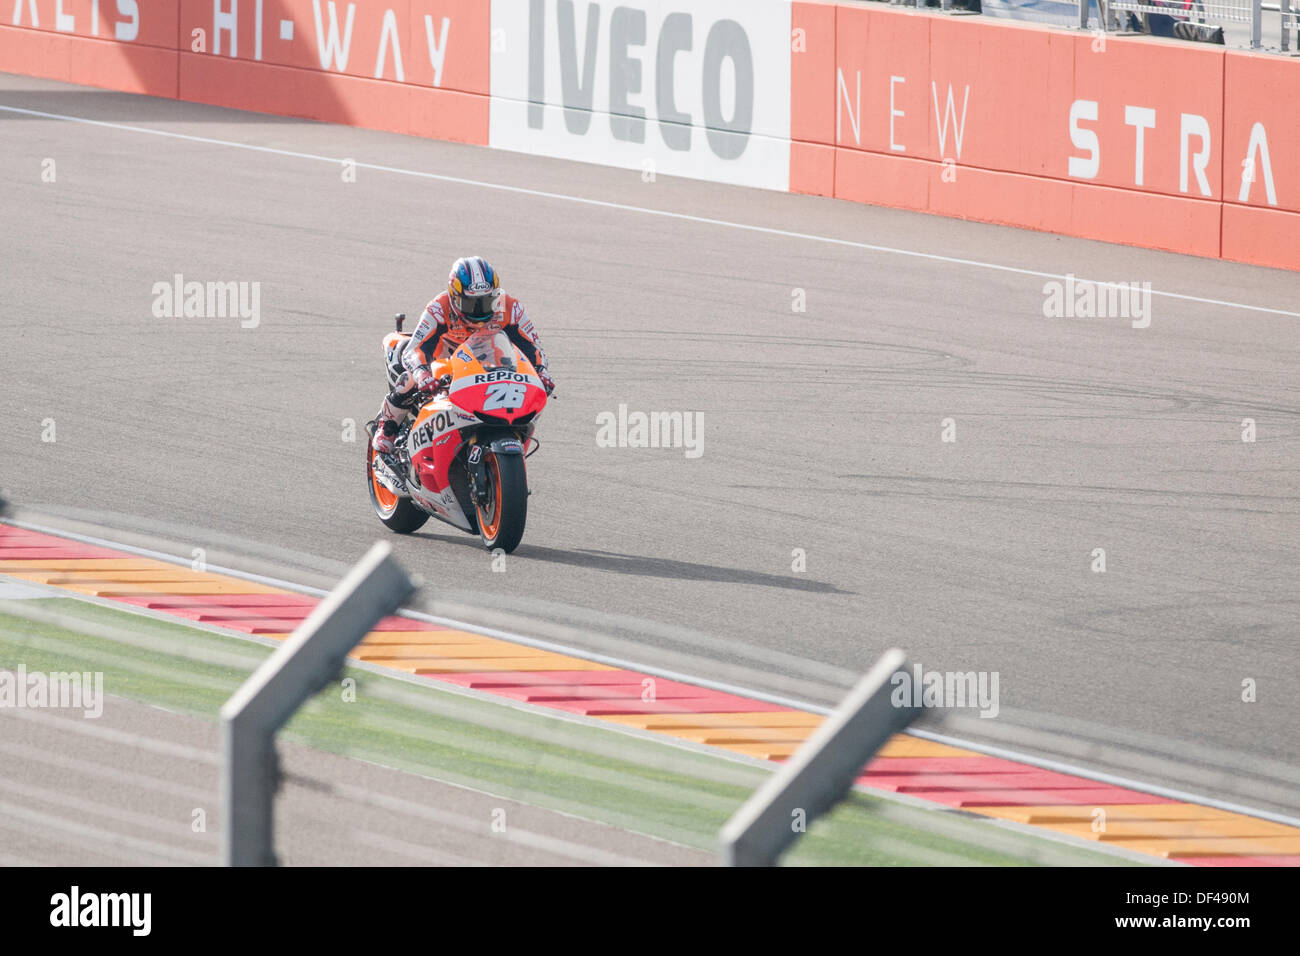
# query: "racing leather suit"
[[440, 331]]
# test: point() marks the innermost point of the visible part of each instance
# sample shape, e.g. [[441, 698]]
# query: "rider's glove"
[[547, 382], [424, 379]]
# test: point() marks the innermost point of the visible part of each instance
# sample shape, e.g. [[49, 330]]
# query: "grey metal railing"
[[819, 774], [1290, 20], [1243, 21], [1201, 12], [1245, 14], [310, 657]]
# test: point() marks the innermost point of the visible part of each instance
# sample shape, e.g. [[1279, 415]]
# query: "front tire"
[[501, 520], [397, 513]]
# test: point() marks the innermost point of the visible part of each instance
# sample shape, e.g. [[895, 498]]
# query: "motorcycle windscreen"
[[492, 349]]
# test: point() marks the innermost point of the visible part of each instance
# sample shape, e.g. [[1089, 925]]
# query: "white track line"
[[989, 749], [623, 207]]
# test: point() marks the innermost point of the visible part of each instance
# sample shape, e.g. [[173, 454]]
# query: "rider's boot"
[[386, 425]]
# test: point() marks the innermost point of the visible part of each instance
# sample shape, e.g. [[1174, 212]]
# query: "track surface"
[[124, 790], [822, 430]]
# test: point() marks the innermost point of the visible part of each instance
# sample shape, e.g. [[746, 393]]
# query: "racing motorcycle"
[[460, 457]]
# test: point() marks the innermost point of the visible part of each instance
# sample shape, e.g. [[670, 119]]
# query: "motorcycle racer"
[[474, 300]]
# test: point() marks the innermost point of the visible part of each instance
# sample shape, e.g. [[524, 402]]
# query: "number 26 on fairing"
[[504, 395]]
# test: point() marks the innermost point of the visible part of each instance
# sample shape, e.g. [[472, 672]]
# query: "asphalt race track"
[[142, 768], [822, 429]]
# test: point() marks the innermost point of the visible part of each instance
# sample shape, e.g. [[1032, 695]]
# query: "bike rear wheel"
[[397, 513]]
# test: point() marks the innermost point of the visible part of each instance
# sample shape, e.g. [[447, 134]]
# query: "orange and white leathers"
[[440, 330]]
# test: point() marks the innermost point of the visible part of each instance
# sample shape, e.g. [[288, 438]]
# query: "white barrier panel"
[[663, 86]]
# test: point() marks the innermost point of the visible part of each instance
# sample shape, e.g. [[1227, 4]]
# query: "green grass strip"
[[600, 774]]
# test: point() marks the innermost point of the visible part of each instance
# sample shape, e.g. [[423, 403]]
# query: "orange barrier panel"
[[1263, 237], [1134, 218], [1261, 163], [334, 98], [1260, 134], [89, 62], [129, 47], [812, 169], [1159, 116], [992, 99], [812, 103], [414, 42], [881, 70], [131, 22], [1132, 140], [1030, 202], [1026, 126], [361, 64]]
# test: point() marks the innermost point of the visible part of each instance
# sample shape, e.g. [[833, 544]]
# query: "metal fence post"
[[820, 772], [311, 657], [1256, 24]]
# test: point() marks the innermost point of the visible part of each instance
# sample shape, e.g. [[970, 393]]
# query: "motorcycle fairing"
[[433, 442]]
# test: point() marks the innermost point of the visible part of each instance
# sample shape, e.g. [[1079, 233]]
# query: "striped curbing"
[[928, 770]]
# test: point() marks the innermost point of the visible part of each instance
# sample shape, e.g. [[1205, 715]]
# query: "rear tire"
[[501, 523], [397, 513]]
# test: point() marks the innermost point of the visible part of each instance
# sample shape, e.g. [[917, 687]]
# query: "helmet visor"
[[477, 308]]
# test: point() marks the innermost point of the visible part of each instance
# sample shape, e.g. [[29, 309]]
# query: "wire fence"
[[1253, 24]]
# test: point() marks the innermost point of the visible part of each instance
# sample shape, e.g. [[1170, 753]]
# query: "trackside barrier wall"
[[1151, 142], [1170, 145], [821, 772], [308, 660]]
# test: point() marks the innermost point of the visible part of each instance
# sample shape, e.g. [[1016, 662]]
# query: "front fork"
[[476, 460], [476, 465]]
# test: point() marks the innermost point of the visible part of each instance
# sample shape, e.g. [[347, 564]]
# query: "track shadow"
[[110, 106], [154, 99], [651, 567]]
